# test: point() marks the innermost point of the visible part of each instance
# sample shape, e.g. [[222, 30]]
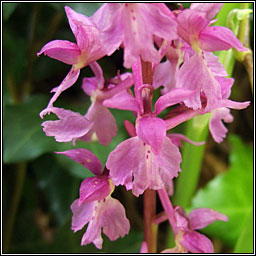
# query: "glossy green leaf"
[[230, 193], [23, 137]]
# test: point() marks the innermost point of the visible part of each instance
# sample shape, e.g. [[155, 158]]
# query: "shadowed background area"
[[38, 186]]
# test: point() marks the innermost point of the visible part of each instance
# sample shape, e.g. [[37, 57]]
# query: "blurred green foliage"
[[51, 182], [230, 193]]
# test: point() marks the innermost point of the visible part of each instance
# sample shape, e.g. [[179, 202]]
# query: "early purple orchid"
[[95, 204], [194, 83], [69, 127], [87, 50], [216, 77], [196, 73], [72, 126], [155, 159], [186, 238], [133, 25], [100, 90]]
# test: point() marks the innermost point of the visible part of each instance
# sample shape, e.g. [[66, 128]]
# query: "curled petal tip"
[[44, 112]]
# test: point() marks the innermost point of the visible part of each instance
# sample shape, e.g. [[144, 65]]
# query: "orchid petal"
[[196, 75], [93, 189], [168, 163], [130, 128], [109, 214], [114, 222], [104, 123], [217, 38], [215, 66], [81, 214], [217, 128], [181, 219], [202, 217], [191, 23], [164, 75], [85, 158], [62, 50], [68, 81], [152, 131], [71, 125], [90, 85], [233, 104], [115, 87], [77, 20], [137, 76], [161, 75], [196, 242], [119, 162], [131, 24], [146, 170], [174, 96], [122, 100], [210, 9], [140, 25], [226, 84], [107, 17], [87, 35], [176, 139], [98, 74]]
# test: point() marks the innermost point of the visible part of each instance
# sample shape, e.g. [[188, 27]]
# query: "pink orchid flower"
[[149, 159], [87, 50], [100, 90], [196, 73], [186, 238], [95, 205], [69, 127], [133, 26]]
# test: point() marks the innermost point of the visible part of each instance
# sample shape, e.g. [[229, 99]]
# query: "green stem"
[[244, 37], [185, 186], [243, 24], [20, 173]]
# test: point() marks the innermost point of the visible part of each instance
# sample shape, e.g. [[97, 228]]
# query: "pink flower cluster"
[[193, 81]]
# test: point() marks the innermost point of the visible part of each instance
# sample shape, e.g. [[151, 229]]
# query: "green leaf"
[[245, 241], [230, 193], [23, 137], [59, 188], [8, 9]]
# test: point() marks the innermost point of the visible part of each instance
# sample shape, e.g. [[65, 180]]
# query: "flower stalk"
[[149, 197]]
